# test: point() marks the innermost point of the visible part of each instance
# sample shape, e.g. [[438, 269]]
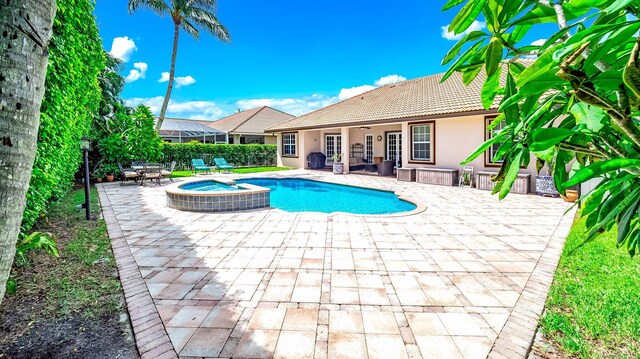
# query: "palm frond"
[[158, 6], [190, 29], [207, 21]]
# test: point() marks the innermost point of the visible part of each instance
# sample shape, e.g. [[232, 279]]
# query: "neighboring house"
[[420, 123], [249, 126]]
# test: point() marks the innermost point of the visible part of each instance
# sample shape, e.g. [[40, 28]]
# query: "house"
[[420, 123], [249, 126]]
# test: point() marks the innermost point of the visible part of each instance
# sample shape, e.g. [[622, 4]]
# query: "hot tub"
[[217, 196]]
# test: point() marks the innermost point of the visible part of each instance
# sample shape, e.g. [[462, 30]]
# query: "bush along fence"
[[238, 155]]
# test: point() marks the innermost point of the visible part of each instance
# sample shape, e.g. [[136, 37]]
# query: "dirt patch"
[[70, 306], [69, 338]]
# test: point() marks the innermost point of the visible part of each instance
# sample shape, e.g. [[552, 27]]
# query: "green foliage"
[[572, 102], [30, 242], [237, 155], [128, 137], [586, 315], [71, 100]]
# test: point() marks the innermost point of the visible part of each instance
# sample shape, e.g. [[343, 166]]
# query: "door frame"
[[336, 136], [399, 145]]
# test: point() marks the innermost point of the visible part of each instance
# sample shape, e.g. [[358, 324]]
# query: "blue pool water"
[[301, 195], [208, 186]]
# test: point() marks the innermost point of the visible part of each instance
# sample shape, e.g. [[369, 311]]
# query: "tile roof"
[[424, 96], [253, 121]]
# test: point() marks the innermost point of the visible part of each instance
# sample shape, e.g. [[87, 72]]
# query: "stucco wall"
[[270, 140], [455, 139]]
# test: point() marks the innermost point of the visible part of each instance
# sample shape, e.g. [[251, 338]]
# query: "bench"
[[521, 184], [440, 176]]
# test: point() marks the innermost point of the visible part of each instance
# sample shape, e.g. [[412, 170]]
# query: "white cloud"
[[294, 106], [196, 110], [475, 26], [346, 93], [185, 81], [164, 77], [138, 73], [539, 42], [180, 81], [122, 48], [391, 79]]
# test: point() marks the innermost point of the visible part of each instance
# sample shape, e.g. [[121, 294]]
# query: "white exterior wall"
[[455, 139]]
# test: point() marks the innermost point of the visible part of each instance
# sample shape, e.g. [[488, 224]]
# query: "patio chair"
[[128, 174], [198, 165], [169, 172], [153, 172], [222, 165], [467, 172]]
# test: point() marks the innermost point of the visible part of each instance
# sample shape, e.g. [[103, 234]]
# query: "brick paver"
[[465, 278]]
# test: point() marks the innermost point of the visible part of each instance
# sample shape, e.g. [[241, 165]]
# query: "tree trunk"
[[172, 74], [25, 30]]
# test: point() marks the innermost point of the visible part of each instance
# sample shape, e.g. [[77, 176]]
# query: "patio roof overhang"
[[180, 128]]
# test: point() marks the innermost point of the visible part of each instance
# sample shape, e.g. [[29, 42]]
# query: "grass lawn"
[[242, 170], [593, 308], [70, 305]]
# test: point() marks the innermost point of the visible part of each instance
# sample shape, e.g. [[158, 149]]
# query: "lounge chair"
[[198, 165], [222, 165], [128, 174], [168, 172]]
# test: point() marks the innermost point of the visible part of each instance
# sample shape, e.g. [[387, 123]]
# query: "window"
[[493, 150], [422, 140], [289, 144], [368, 148]]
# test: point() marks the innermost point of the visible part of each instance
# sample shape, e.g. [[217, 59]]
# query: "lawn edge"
[[516, 338], [142, 311]]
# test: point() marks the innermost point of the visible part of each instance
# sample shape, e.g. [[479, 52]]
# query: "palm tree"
[[188, 15], [24, 55]]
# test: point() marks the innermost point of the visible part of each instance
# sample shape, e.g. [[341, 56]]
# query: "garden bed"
[[71, 306]]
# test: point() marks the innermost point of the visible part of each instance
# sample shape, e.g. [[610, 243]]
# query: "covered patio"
[[176, 130]]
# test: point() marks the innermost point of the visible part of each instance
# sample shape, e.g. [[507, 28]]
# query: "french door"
[[332, 145], [394, 147]]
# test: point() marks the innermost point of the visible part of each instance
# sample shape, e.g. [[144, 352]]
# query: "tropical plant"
[[30, 242], [24, 50], [190, 16], [572, 100]]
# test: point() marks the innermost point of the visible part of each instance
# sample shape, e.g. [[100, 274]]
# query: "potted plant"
[[570, 195], [466, 179], [110, 171], [98, 174], [338, 166], [544, 183]]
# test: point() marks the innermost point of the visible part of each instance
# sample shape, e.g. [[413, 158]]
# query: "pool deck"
[[465, 278]]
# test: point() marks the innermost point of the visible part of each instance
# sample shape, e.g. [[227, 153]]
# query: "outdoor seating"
[[222, 165], [169, 172], [198, 165], [128, 174], [152, 172], [385, 168]]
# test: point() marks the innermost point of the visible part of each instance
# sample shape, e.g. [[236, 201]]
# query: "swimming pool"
[[303, 195]]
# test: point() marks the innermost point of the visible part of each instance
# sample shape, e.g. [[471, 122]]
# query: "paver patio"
[[466, 278]]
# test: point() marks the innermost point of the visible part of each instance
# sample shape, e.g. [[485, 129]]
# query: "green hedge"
[[238, 155], [71, 101]]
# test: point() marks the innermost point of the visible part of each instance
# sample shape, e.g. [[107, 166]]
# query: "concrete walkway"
[[466, 278]]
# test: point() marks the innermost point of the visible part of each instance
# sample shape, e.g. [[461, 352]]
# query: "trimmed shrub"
[[238, 155], [70, 103]]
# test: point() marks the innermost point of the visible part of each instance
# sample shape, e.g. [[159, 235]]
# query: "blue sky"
[[296, 56]]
